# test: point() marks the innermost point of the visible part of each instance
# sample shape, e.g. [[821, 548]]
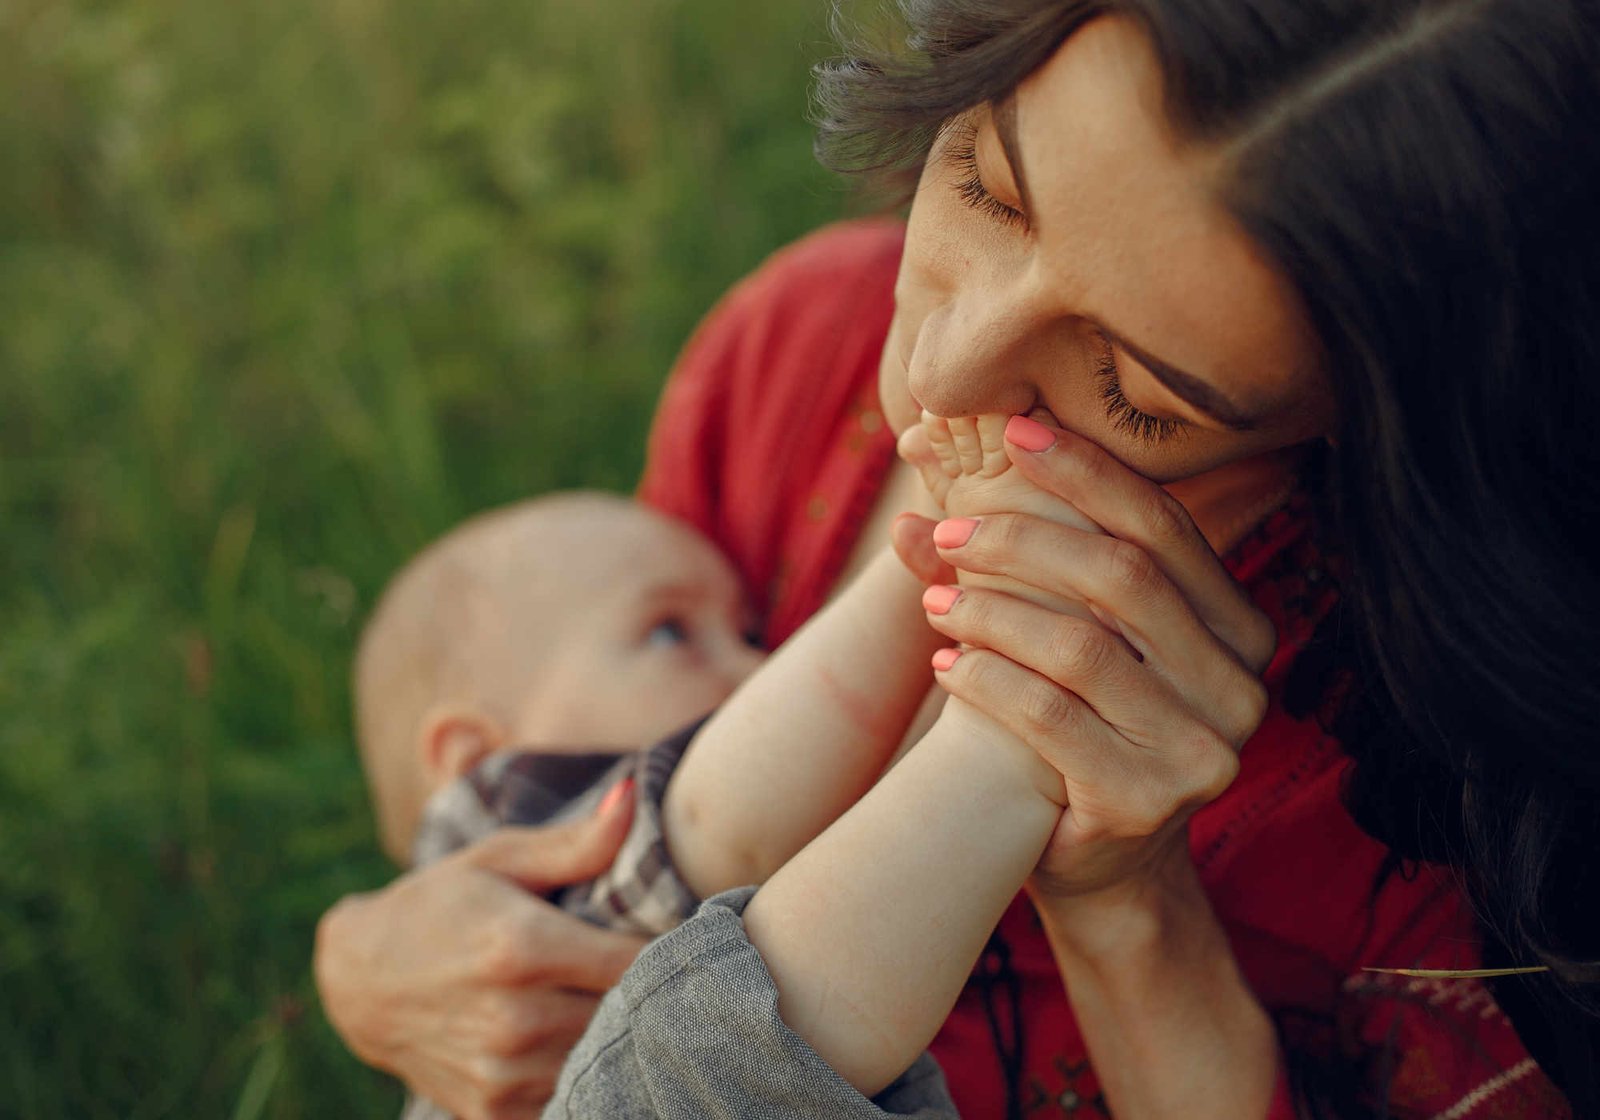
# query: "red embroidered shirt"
[[769, 439]]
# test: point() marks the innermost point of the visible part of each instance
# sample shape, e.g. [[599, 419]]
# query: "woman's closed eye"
[[961, 152], [1124, 415]]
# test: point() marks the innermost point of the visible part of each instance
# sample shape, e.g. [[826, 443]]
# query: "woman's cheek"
[[900, 408]]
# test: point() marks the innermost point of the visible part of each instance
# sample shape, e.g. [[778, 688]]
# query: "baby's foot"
[[963, 464]]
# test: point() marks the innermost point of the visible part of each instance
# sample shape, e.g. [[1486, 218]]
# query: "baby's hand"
[[963, 464]]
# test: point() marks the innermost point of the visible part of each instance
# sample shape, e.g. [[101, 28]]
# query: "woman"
[[1276, 256]]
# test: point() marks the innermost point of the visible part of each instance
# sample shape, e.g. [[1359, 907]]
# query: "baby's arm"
[[871, 931], [804, 737]]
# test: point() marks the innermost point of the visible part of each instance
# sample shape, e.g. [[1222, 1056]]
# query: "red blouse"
[[770, 440]]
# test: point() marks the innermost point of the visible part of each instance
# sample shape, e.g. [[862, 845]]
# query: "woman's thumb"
[[546, 857], [912, 537]]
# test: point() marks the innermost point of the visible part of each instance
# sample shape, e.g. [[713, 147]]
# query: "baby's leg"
[[963, 463]]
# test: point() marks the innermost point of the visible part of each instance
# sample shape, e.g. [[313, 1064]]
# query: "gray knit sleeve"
[[692, 1031]]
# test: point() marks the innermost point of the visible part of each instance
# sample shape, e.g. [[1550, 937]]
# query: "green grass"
[[286, 288]]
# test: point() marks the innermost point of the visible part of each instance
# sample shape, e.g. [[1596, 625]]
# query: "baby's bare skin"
[[870, 931], [963, 464]]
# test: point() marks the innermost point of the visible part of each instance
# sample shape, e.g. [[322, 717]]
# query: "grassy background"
[[286, 288]]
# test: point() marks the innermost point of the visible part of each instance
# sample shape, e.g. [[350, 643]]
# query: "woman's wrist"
[[1130, 918], [1170, 1022]]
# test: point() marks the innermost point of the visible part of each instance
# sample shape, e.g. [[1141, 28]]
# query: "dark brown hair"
[[1427, 173]]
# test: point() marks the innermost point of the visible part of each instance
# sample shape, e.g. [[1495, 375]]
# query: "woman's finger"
[[1113, 789], [550, 856], [520, 1040], [912, 537], [1134, 509], [540, 944], [1035, 710], [1078, 655], [1128, 590], [494, 1088], [518, 1022]]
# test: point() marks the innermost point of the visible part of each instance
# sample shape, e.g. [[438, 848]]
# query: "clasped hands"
[[1142, 702]]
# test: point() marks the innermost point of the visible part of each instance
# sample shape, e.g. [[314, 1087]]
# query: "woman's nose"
[[970, 355]]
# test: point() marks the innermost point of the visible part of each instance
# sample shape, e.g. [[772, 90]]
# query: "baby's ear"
[[453, 740]]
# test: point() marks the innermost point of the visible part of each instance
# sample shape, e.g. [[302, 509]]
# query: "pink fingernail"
[[939, 598], [1030, 435], [614, 797], [944, 658], [955, 532]]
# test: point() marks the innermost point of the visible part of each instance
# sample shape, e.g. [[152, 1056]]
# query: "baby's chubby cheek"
[[672, 708]]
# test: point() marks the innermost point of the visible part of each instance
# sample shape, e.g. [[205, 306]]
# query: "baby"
[[577, 622], [523, 629], [511, 665]]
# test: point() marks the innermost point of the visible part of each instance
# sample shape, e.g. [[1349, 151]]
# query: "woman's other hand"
[[1142, 713], [912, 537], [462, 982]]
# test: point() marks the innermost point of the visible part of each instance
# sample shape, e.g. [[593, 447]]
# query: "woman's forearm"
[[1171, 1026], [803, 738], [871, 931]]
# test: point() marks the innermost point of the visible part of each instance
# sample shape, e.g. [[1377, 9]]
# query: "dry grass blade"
[[1457, 973]]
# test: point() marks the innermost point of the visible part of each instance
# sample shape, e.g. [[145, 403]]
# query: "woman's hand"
[[1142, 714], [462, 983]]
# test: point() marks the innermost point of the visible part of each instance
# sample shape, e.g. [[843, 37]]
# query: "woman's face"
[[1066, 251]]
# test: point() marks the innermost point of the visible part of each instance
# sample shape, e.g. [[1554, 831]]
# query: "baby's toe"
[[916, 447], [992, 443], [942, 440], [964, 431]]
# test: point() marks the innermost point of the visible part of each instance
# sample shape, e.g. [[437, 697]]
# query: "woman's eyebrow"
[[1190, 388], [1005, 127], [1185, 386]]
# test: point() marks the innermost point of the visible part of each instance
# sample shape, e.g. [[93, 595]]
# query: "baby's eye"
[[668, 632]]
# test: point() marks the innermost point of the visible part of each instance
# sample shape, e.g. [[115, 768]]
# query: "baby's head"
[[569, 622]]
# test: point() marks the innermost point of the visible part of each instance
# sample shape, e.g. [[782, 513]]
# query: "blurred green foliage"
[[286, 288]]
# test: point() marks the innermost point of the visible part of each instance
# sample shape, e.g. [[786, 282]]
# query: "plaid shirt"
[[641, 891]]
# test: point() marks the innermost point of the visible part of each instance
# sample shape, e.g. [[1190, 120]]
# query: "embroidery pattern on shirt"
[[1077, 1096]]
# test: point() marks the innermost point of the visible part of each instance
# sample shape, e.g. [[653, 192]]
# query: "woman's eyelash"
[[962, 154], [1124, 416]]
